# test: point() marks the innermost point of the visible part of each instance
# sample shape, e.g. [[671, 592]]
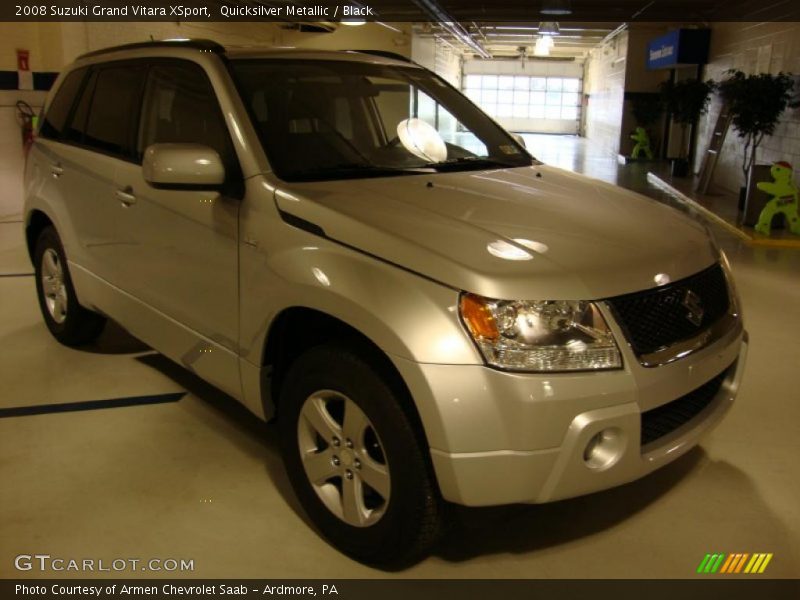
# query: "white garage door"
[[546, 99]]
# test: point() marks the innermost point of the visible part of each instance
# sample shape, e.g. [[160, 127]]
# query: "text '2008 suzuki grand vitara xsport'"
[[344, 242]]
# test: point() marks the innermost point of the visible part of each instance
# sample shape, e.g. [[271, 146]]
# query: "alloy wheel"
[[343, 458], [53, 286]]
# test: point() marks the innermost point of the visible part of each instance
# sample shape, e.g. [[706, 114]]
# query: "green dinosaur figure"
[[784, 199], [642, 144]]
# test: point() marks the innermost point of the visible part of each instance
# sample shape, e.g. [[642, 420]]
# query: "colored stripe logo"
[[740, 562]]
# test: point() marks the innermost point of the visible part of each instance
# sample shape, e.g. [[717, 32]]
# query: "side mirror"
[[519, 139], [182, 165]]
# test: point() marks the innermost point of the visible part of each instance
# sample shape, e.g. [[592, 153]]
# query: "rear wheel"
[[68, 321], [356, 459]]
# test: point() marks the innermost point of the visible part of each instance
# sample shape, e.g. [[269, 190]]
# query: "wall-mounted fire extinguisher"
[[27, 121]]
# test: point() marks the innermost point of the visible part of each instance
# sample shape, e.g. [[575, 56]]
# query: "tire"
[[68, 321], [333, 389]]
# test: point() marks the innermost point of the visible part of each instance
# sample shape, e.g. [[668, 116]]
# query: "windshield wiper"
[[471, 162], [351, 170]]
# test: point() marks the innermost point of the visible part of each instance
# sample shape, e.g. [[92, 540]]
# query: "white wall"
[[531, 68], [28, 36], [752, 48], [12, 160], [437, 56], [604, 83], [53, 45], [614, 68]]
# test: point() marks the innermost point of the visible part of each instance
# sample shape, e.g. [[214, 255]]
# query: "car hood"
[[572, 237]]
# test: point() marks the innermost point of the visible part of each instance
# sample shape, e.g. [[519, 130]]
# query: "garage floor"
[[196, 477]]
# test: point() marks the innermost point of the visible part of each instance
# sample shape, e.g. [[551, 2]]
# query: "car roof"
[[370, 56], [180, 47]]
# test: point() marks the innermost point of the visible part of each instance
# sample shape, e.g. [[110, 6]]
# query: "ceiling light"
[[549, 28], [543, 46], [556, 7], [352, 22], [382, 24]]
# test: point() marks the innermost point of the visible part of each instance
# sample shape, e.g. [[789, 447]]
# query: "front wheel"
[[356, 459]]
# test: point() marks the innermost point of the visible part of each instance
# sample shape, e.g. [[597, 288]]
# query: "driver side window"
[[180, 107]]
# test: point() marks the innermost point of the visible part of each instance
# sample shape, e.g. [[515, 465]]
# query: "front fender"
[[404, 314], [412, 319]]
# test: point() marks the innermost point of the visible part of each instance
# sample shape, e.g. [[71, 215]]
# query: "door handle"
[[126, 196], [56, 170]]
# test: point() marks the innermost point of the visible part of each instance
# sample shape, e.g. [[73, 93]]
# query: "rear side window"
[[180, 106], [113, 107], [59, 109]]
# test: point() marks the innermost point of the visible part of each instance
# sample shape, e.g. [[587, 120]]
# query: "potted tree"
[[685, 101], [756, 103]]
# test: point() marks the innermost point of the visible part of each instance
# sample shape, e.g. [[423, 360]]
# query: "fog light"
[[604, 449]]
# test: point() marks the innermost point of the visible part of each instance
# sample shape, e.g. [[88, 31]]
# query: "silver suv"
[[343, 242]]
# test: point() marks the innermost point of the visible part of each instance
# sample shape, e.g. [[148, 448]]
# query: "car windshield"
[[327, 119]]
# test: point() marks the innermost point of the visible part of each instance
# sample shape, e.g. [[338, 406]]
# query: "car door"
[[82, 147], [183, 263], [98, 142]]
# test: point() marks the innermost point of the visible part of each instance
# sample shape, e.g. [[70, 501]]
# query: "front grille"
[[657, 318], [665, 419]]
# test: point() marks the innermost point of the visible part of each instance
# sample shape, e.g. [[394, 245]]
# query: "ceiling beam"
[[450, 25]]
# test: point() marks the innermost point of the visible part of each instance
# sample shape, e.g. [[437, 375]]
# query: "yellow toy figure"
[[784, 199], [642, 144]]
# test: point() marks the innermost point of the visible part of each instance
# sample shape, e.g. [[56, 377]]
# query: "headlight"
[[557, 335]]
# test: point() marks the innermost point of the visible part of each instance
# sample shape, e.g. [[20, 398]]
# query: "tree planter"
[[756, 103], [680, 167], [685, 102]]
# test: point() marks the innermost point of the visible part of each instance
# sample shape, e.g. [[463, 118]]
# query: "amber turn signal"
[[478, 318]]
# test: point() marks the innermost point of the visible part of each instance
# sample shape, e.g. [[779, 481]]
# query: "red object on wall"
[[23, 60]]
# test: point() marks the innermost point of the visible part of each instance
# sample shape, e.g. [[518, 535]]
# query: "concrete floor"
[[201, 479]]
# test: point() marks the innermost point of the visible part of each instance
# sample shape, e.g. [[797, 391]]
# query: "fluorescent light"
[[509, 35], [543, 46], [549, 28], [382, 24]]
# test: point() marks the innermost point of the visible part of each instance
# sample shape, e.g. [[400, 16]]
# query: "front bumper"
[[503, 438]]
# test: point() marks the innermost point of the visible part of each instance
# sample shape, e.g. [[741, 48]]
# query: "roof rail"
[[199, 44], [386, 54]]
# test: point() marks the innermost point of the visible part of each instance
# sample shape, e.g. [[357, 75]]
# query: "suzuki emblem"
[[694, 305]]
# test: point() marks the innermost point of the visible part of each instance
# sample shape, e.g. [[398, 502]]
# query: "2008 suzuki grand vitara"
[[343, 241]]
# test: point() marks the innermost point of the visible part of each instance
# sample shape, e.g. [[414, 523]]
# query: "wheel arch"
[[36, 222], [297, 329]]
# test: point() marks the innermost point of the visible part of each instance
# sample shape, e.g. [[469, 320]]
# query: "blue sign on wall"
[[679, 47], [663, 51]]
